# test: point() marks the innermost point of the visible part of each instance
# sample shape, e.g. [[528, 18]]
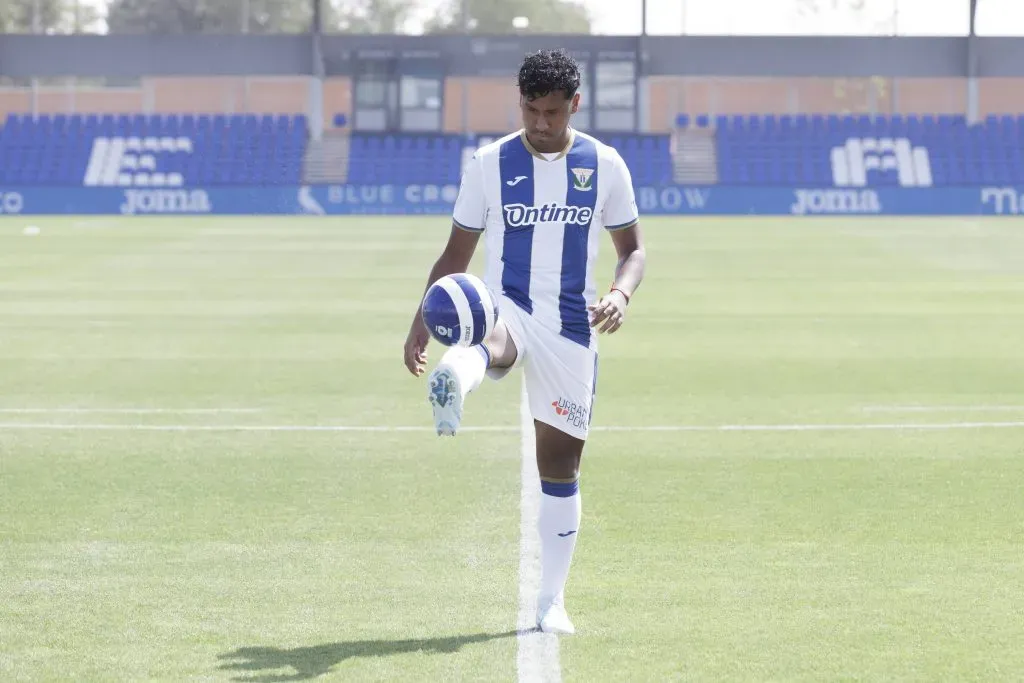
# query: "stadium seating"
[[801, 150], [648, 156], [140, 150], [805, 149], [244, 149], [411, 158], [405, 158]]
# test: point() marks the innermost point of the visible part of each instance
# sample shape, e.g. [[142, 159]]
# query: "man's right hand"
[[416, 346], [454, 259]]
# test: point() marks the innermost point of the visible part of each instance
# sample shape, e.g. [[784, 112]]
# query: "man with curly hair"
[[541, 197]]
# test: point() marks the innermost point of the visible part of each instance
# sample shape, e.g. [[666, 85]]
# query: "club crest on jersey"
[[582, 179]]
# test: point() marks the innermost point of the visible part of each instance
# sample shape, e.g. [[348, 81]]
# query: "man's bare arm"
[[629, 273]]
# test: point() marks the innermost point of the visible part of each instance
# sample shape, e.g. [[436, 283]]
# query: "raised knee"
[[500, 347]]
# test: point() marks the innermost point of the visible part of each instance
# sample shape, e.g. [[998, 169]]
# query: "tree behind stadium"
[[348, 16], [496, 16], [210, 16], [45, 16]]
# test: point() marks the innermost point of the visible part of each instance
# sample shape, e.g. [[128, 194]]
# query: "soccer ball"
[[459, 310]]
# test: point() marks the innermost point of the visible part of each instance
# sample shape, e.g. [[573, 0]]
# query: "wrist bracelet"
[[616, 289]]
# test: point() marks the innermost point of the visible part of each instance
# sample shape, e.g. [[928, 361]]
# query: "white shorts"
[[561, 375]]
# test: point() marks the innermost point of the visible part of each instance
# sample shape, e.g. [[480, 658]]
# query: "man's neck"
[[553, 146]]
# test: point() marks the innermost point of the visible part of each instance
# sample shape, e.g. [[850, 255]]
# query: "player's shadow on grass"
[[317, 660]]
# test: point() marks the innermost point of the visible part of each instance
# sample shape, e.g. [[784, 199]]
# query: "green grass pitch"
[[816, 470]]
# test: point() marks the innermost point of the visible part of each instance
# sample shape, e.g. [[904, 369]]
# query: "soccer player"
[[541, 197]]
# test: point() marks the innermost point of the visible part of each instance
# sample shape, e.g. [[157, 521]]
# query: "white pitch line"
[[942, 409], [45, 426], [128, 411], [817, 427], [938, 426], [537, 657]]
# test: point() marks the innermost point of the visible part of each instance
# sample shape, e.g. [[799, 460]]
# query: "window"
[[420, 93], [420, 102], [371, 92], [583, 118], [616, 85], [616, 96]]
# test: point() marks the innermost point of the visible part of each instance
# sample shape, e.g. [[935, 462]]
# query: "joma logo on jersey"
[[519, 215], [574, 413]]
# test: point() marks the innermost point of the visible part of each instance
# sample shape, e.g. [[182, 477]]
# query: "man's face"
[[546, 118]]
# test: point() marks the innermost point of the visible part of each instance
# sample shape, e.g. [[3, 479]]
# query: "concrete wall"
[[692, 74], [489, 104]]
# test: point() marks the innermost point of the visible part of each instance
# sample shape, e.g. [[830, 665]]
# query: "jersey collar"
[[540, 155]]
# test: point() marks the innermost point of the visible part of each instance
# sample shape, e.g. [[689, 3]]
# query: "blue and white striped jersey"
[[541, 215]]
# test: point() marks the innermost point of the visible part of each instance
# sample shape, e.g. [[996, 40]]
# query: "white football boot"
[[553, 618], [445, 395]]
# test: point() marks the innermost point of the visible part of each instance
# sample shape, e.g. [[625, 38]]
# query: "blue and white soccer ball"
[[459, 310]]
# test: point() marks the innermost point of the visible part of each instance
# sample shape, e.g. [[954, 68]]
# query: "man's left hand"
[[611, 310]]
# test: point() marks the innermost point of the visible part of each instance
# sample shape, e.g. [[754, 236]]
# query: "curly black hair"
[[548, 71]]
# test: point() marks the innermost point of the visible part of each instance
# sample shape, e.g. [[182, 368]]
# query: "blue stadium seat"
[[193, 148], [797, 149], [781, 149], [404, 158]]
